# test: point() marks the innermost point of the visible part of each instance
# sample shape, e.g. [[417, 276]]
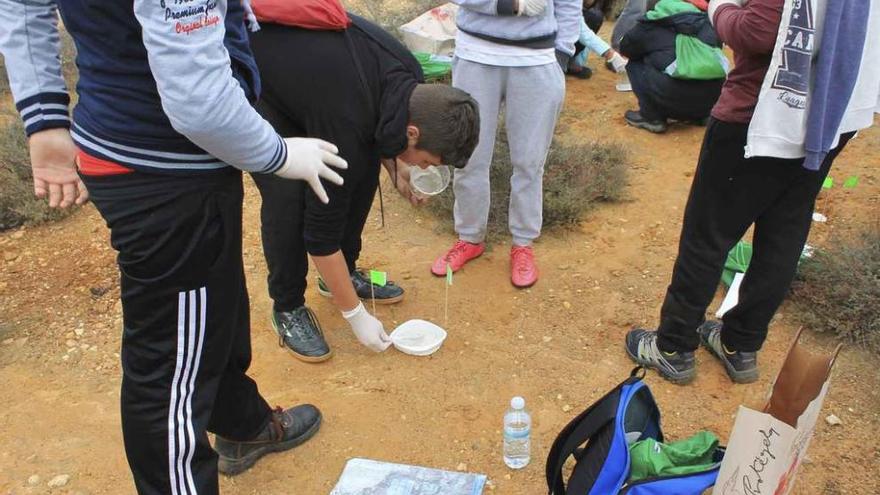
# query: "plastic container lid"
[[418, 337], [518, 403]]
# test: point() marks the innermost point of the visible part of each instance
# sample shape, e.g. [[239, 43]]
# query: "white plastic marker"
[[732, 296], [446, 305]]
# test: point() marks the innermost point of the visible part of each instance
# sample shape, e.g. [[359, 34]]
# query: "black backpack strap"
[[581, 429]]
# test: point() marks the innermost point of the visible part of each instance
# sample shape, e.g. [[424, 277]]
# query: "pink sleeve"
[[751, 29]]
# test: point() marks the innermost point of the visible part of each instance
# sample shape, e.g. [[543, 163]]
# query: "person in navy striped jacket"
[[162, 130]]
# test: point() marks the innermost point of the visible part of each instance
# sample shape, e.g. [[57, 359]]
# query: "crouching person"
[[362, 90], [676, 67]]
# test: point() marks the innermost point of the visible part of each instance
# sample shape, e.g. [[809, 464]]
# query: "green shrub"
[[576, 178], [838, 290]]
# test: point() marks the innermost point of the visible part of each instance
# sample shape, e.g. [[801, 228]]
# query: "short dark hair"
[[448, 120]]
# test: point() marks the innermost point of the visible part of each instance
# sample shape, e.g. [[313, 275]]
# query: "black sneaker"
[[390, 294], [285, 430], [300, 332], [677, 367], [580, 72], [635, 119], [741, 367]]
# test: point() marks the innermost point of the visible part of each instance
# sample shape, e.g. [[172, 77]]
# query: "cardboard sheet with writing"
[[766, 447]]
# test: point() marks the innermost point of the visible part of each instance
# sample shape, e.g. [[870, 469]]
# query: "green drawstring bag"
[[651, 459], [738, 260], [432, 67], [697, 60]]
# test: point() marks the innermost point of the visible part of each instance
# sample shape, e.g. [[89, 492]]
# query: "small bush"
[[838, 290], [576, 178]]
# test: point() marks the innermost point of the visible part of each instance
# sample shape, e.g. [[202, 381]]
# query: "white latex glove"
[[310, 159], [368, 330], [618, 62], [531, 8]]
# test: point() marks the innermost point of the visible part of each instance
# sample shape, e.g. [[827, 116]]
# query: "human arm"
[[30, 44], [747, 28], [490, 7], [568, 27], [636, 43], [367, 328], [399, 174]]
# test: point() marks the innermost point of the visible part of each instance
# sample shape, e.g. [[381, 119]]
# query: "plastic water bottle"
[[517, 431]]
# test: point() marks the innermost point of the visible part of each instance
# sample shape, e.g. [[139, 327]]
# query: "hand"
[[310, 159], [617, 62], [531, 8], [368, 330], [53, 161], [563, 59], [401, 182]]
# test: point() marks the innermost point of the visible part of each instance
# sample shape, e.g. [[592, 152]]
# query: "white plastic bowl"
[[418, 337]]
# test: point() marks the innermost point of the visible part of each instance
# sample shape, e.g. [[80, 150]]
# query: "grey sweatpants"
[[532, 97]]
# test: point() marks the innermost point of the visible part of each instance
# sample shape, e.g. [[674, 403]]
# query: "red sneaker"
[[457, 257], [523, 271]]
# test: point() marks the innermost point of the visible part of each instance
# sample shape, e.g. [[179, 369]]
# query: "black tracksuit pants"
[[284, 219], [664, 97], [730, 193], [186, 329]]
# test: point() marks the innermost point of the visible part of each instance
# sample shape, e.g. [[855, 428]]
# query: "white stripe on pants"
[[532, 98], [181, 437]]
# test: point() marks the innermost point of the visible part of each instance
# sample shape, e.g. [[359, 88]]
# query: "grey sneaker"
[[285, 430], [300, 332], [390, 293], [741, 367], [635, 119], [677, 367]]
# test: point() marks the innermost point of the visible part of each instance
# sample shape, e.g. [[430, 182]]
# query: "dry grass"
[[838, 290]]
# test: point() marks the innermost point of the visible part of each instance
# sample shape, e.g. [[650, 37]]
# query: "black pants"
[[186, 329], [663, 97], [283, 216], [729, 194]]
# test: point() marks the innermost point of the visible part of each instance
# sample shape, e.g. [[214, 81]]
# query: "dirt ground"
[[558, 344]]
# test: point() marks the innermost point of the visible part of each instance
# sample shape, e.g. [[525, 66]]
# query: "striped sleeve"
[[199, 93], [31, 47]]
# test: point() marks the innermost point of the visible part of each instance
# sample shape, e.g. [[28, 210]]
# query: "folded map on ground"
[[367, 477]]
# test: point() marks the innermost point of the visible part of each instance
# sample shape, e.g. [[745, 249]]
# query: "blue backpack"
[[625, 415]]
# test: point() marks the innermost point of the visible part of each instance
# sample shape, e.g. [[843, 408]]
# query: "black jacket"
[[654, 41]]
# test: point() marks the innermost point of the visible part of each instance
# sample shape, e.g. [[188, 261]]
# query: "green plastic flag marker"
[[448, 274], [829, 183], [378, 278], [851, 182]]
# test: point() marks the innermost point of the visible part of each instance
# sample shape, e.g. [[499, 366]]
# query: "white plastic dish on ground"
[[418, 337]]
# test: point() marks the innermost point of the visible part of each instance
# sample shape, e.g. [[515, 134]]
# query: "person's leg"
[[780, 234], [179, 243], [682, 100], [471, 183], [728, 194], [533, 102], [359, 212], [594, 19], [643, 77], [281, 227]]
